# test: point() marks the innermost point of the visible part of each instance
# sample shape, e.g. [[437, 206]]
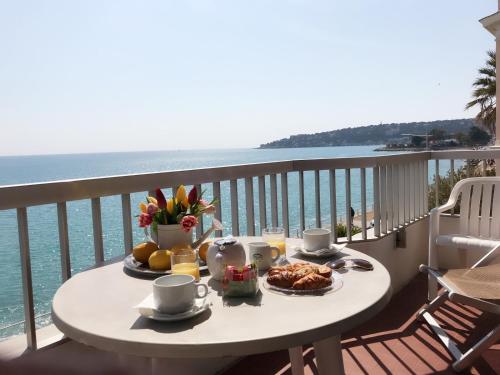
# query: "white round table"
[[95, 307]]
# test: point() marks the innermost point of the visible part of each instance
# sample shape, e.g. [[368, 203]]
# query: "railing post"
[[348, 215], [376, 201], [333, 204], [218, 205], [436, 184], [62, 219], [128, 241], [29, 309], [97, 226], [235, 222], [301, 202], [317, 198], [249, 206], [274, 200], [199, 227], [383, 199], [262, 203], [363, 203], [284, 203]]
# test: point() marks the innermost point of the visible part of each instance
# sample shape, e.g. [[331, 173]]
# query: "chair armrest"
[[445, 207]]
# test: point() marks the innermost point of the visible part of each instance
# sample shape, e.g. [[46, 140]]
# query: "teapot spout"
[[216, 225]]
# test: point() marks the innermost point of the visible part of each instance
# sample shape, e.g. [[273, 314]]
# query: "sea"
[[44, 245]]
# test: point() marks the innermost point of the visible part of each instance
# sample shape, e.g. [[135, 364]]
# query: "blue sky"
[[92, 76]]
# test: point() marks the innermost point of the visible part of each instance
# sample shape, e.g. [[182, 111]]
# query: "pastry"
[[312, 281], [283, 279]]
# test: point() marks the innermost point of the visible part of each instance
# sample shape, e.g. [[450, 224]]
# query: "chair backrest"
[[479, 206]]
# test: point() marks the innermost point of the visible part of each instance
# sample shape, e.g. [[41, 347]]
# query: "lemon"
[[160, 260], [143, 251], [202, 251]]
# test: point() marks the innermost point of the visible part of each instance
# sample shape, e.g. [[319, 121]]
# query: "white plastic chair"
[[478, 286]]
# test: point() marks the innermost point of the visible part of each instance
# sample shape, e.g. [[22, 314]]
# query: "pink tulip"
[[145, 220], [188, 222]]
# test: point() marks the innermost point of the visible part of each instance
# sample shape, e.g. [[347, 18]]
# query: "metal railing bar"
[[348, 216], [218, 205], [29, 307], [262, 202], [317, 199], [363, 203], [97, 229], [249, 206], [333, 204], [436, 183], [274, 200], [301, 203], [235, 221], [383, 199], [128, 240], [284, 203], [199, 226], [62, 220], [376, 201]]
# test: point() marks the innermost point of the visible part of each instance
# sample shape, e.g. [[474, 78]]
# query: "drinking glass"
[[275, 236], [185, 262]]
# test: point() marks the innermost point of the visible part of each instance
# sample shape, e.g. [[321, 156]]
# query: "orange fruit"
[[202, 251]]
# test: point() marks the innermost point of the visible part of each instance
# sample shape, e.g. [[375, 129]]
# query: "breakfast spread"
[[300, 276]]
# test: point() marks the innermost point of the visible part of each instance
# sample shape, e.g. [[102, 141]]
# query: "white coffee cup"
[[174, 294], [316, 239], [261, 253]]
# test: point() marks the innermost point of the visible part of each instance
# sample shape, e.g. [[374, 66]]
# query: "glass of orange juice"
[[275, 236], [185, 262]]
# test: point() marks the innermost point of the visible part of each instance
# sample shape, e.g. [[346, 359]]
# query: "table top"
[[95, 307]]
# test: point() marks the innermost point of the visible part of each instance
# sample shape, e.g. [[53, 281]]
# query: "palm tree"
[[484, 94]]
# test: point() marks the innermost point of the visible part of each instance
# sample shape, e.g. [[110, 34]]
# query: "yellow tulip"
[[152, 200], [181, 194], [185, 202], [170, 206], [143, 207]]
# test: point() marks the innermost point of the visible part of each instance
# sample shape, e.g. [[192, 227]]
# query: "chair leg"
[[432, 306], [468, 357]]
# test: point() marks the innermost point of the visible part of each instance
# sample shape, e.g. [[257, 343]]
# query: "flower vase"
[[167, 236]]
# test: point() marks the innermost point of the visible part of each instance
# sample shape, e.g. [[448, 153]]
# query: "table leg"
[[296, 360], [328, 354]]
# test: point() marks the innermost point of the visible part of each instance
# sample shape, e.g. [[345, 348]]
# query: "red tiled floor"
[[394, 342]]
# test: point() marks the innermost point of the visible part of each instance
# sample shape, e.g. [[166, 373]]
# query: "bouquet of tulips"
[[183, 209]]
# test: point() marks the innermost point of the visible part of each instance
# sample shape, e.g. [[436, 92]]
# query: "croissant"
[[324, 271], [304, 271], [284, 279], [312, 281]]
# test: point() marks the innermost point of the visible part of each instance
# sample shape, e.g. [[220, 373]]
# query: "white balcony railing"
[[398, 196]]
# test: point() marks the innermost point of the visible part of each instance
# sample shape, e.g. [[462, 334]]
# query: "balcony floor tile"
[[394, 342]]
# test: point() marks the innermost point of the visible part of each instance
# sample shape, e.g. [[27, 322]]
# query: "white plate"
[[337, 283], [322, 253], [145, 309]]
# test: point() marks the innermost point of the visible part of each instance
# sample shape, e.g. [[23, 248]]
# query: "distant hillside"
[[369, 135]]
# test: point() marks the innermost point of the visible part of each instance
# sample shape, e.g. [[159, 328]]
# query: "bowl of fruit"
[[149, 261]]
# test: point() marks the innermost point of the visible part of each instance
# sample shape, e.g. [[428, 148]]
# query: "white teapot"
[[225, 252]]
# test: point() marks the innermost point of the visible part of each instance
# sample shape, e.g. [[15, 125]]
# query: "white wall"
[[402, 263]]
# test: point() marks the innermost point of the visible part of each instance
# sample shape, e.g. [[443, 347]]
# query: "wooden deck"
[[394, 342]]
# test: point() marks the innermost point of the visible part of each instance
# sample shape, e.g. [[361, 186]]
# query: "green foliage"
[[341, 230], [447, 182], [478, 137], [484, 94], [370, 135]]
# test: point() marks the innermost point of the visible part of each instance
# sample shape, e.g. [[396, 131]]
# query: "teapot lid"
[[226, 241]]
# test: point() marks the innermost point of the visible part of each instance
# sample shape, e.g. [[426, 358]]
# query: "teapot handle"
[[219, 260]]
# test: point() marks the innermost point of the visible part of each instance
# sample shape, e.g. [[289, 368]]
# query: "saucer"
[[321, 253], [146, 309]]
